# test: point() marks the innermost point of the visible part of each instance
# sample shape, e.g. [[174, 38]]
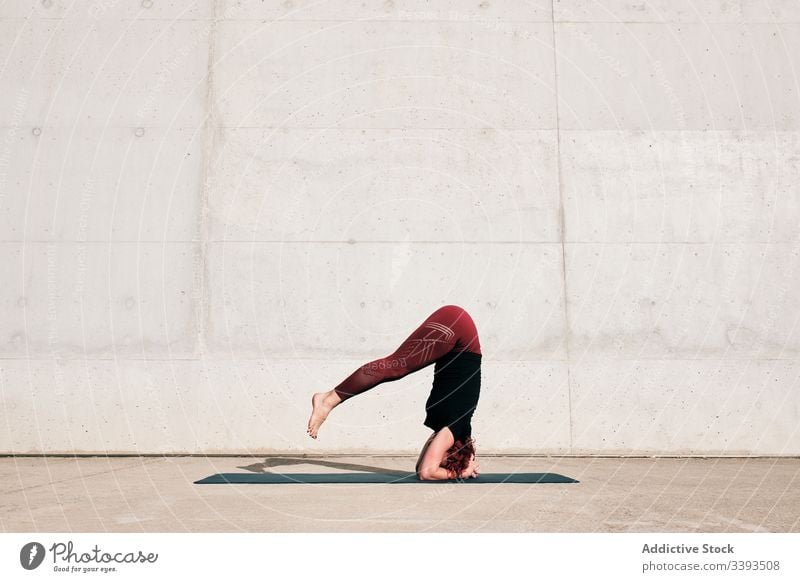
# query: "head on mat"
[[449, 339], [458, 457], [456, 460]]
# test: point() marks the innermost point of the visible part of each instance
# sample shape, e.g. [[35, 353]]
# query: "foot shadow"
[[272, 462]]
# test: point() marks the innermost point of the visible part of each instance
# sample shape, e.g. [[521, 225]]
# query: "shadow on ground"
[[272, 462]]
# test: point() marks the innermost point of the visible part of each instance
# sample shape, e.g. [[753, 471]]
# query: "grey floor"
[[157, 494]]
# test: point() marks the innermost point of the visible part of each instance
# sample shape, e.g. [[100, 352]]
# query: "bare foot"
[[321, 404]]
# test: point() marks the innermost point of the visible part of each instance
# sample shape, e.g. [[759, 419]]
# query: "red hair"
[[459, 456]]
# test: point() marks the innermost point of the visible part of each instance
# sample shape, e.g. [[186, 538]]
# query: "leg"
[[435, 337], [429, 342]]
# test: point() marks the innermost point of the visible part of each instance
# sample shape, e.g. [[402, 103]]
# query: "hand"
[[472, 470]]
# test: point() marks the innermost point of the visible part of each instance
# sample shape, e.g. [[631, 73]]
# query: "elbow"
[[425, 474]]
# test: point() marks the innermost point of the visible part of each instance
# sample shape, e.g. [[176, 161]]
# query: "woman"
[[449, 338]]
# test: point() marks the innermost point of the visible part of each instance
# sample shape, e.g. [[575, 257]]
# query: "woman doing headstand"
[[449, 338]]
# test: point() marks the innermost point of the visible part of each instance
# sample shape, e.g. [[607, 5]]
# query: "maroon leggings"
[[449, 328]]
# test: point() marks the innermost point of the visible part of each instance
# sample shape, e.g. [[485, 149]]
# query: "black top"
[[455, 393]]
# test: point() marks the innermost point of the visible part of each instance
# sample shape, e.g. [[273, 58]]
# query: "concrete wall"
[[210, 210]]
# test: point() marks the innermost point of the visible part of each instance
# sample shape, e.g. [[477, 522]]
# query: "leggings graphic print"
[[449, 328]]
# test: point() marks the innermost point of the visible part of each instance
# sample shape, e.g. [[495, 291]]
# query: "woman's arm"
[[430, 459]]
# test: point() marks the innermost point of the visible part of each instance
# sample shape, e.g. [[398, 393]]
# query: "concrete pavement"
[[157, 494]]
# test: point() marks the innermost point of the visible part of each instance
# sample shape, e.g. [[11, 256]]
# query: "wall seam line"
[[562, 226], [204, 233]]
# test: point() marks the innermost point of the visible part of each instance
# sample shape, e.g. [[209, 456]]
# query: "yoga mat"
[[391, 478]]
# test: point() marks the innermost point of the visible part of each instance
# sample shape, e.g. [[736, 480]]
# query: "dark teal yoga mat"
[[330, 478]]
